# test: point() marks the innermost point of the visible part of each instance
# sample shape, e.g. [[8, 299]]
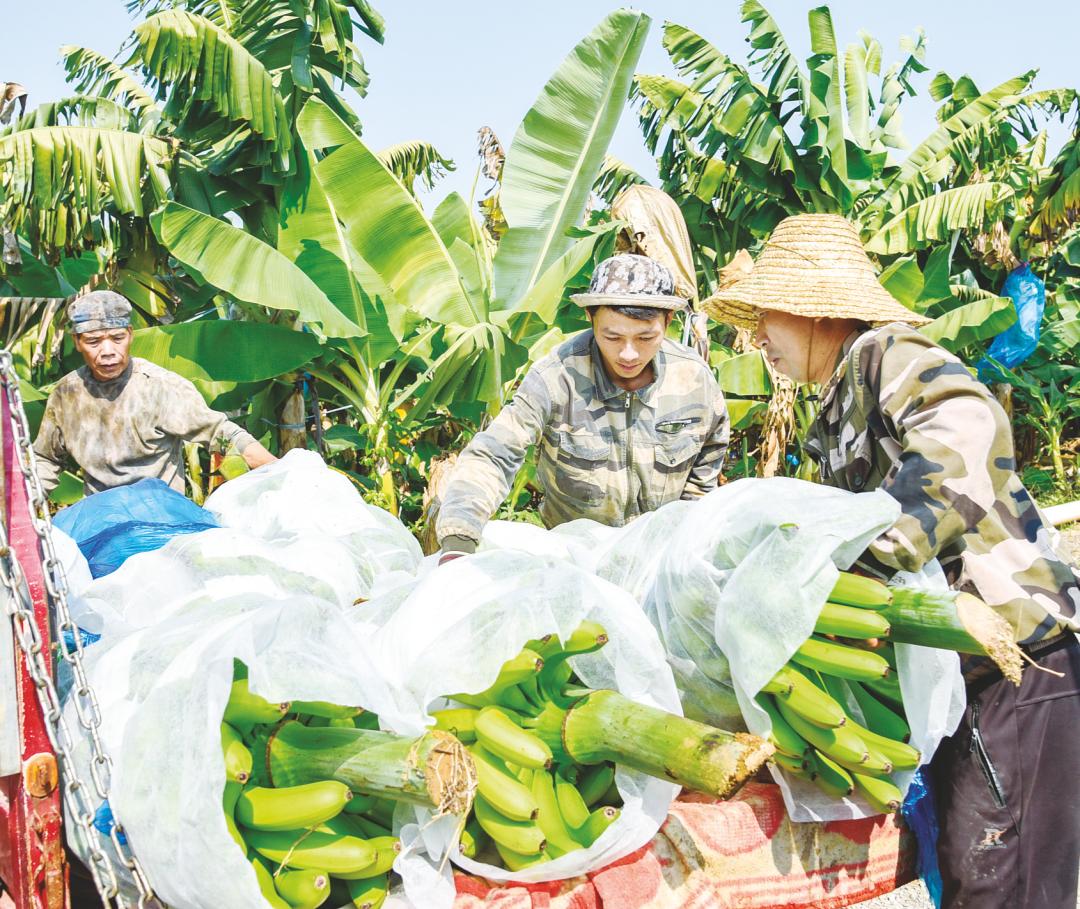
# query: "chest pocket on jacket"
[[850, 464], [675, 456], [578, 466]]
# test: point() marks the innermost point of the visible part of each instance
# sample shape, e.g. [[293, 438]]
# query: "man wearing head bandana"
[[120, 418]]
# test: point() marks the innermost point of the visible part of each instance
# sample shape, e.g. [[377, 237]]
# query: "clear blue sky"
[[449, 68]]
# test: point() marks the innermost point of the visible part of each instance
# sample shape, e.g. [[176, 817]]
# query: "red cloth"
[[743, 853]]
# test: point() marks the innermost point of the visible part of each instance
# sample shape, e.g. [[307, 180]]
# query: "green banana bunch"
[[845, 668], [303, 889]]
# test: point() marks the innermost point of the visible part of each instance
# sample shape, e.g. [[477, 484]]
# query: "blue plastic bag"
[[920, 812], [1018, 342], [117, 523]]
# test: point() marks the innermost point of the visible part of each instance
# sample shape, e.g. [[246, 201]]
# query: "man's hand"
[[255, 455]]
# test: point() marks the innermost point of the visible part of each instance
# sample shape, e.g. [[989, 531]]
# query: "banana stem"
[[953, 621], [433, 770], [605, 726]]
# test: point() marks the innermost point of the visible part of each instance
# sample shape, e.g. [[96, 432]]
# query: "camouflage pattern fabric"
[[604, 453], [905, 415], [127, 429]]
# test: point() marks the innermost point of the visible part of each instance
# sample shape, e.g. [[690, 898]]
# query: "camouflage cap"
[[631, 280], [99, 310]]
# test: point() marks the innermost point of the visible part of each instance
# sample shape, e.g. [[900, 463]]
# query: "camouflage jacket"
[[603, 453], [904, 415], [126, 429]]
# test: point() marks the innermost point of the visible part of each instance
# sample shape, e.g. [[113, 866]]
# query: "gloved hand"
[[445, 557]]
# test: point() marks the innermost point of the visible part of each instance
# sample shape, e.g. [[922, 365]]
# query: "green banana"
[[882, 794], [359, 804], [382, 812], [246, 709], [784, 738], [550, 818], [303, 889], [841, 744], [325, 709], [526, 664], [366, 720], [517, 861], [228, 805], [238, 760], [504, 738], [312, 850], [830, 777], [473, 839], [796, 765], [368, 827], [597, 823], [291, 807], [887, 691], [879, 718], [572, 806], [840, 660], [802, 696], [588, 637], [530, 690], [458, 721], [266, 885], [513, 698], [503, 791], [594, 782], [851, 622], [856, 590], [899, 755], [387, 849], [368, 892], [523, 837]]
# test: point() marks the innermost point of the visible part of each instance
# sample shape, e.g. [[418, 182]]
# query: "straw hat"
[[812, 266], [630, 280]]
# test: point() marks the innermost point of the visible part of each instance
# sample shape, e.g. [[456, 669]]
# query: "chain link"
[[77, 798]]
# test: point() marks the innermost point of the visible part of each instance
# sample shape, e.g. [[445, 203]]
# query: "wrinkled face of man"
[[628, 345], [785, 340], [105, 352]]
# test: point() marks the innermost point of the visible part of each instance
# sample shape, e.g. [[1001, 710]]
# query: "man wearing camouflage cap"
[[121, 418], [901, 414], [624, 419]]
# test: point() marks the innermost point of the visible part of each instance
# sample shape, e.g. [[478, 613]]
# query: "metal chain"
[[77, 798]]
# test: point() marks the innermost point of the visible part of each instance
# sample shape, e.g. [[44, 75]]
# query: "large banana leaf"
[[95, 74], [413, 160], [559, 148], [178, 46], [935, 217], [220, 350], [247, 268], [744, 374], [824, 115], [975, 321], [311, 236], [926, 159], [68, 175], [384, 223]]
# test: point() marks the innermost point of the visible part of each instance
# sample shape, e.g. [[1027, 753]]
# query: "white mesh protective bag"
[[452, 630]]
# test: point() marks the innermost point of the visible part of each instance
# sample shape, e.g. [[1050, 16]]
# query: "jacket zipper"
[[993, 781], [630, 497]]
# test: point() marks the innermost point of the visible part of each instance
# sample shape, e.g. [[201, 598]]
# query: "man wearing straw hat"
[[624, 419], [899, 413]]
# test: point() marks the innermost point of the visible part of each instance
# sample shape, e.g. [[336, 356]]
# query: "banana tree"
[[740, 152], [426, 314]]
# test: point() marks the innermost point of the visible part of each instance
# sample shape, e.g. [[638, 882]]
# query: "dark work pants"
[[1008, 790]]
